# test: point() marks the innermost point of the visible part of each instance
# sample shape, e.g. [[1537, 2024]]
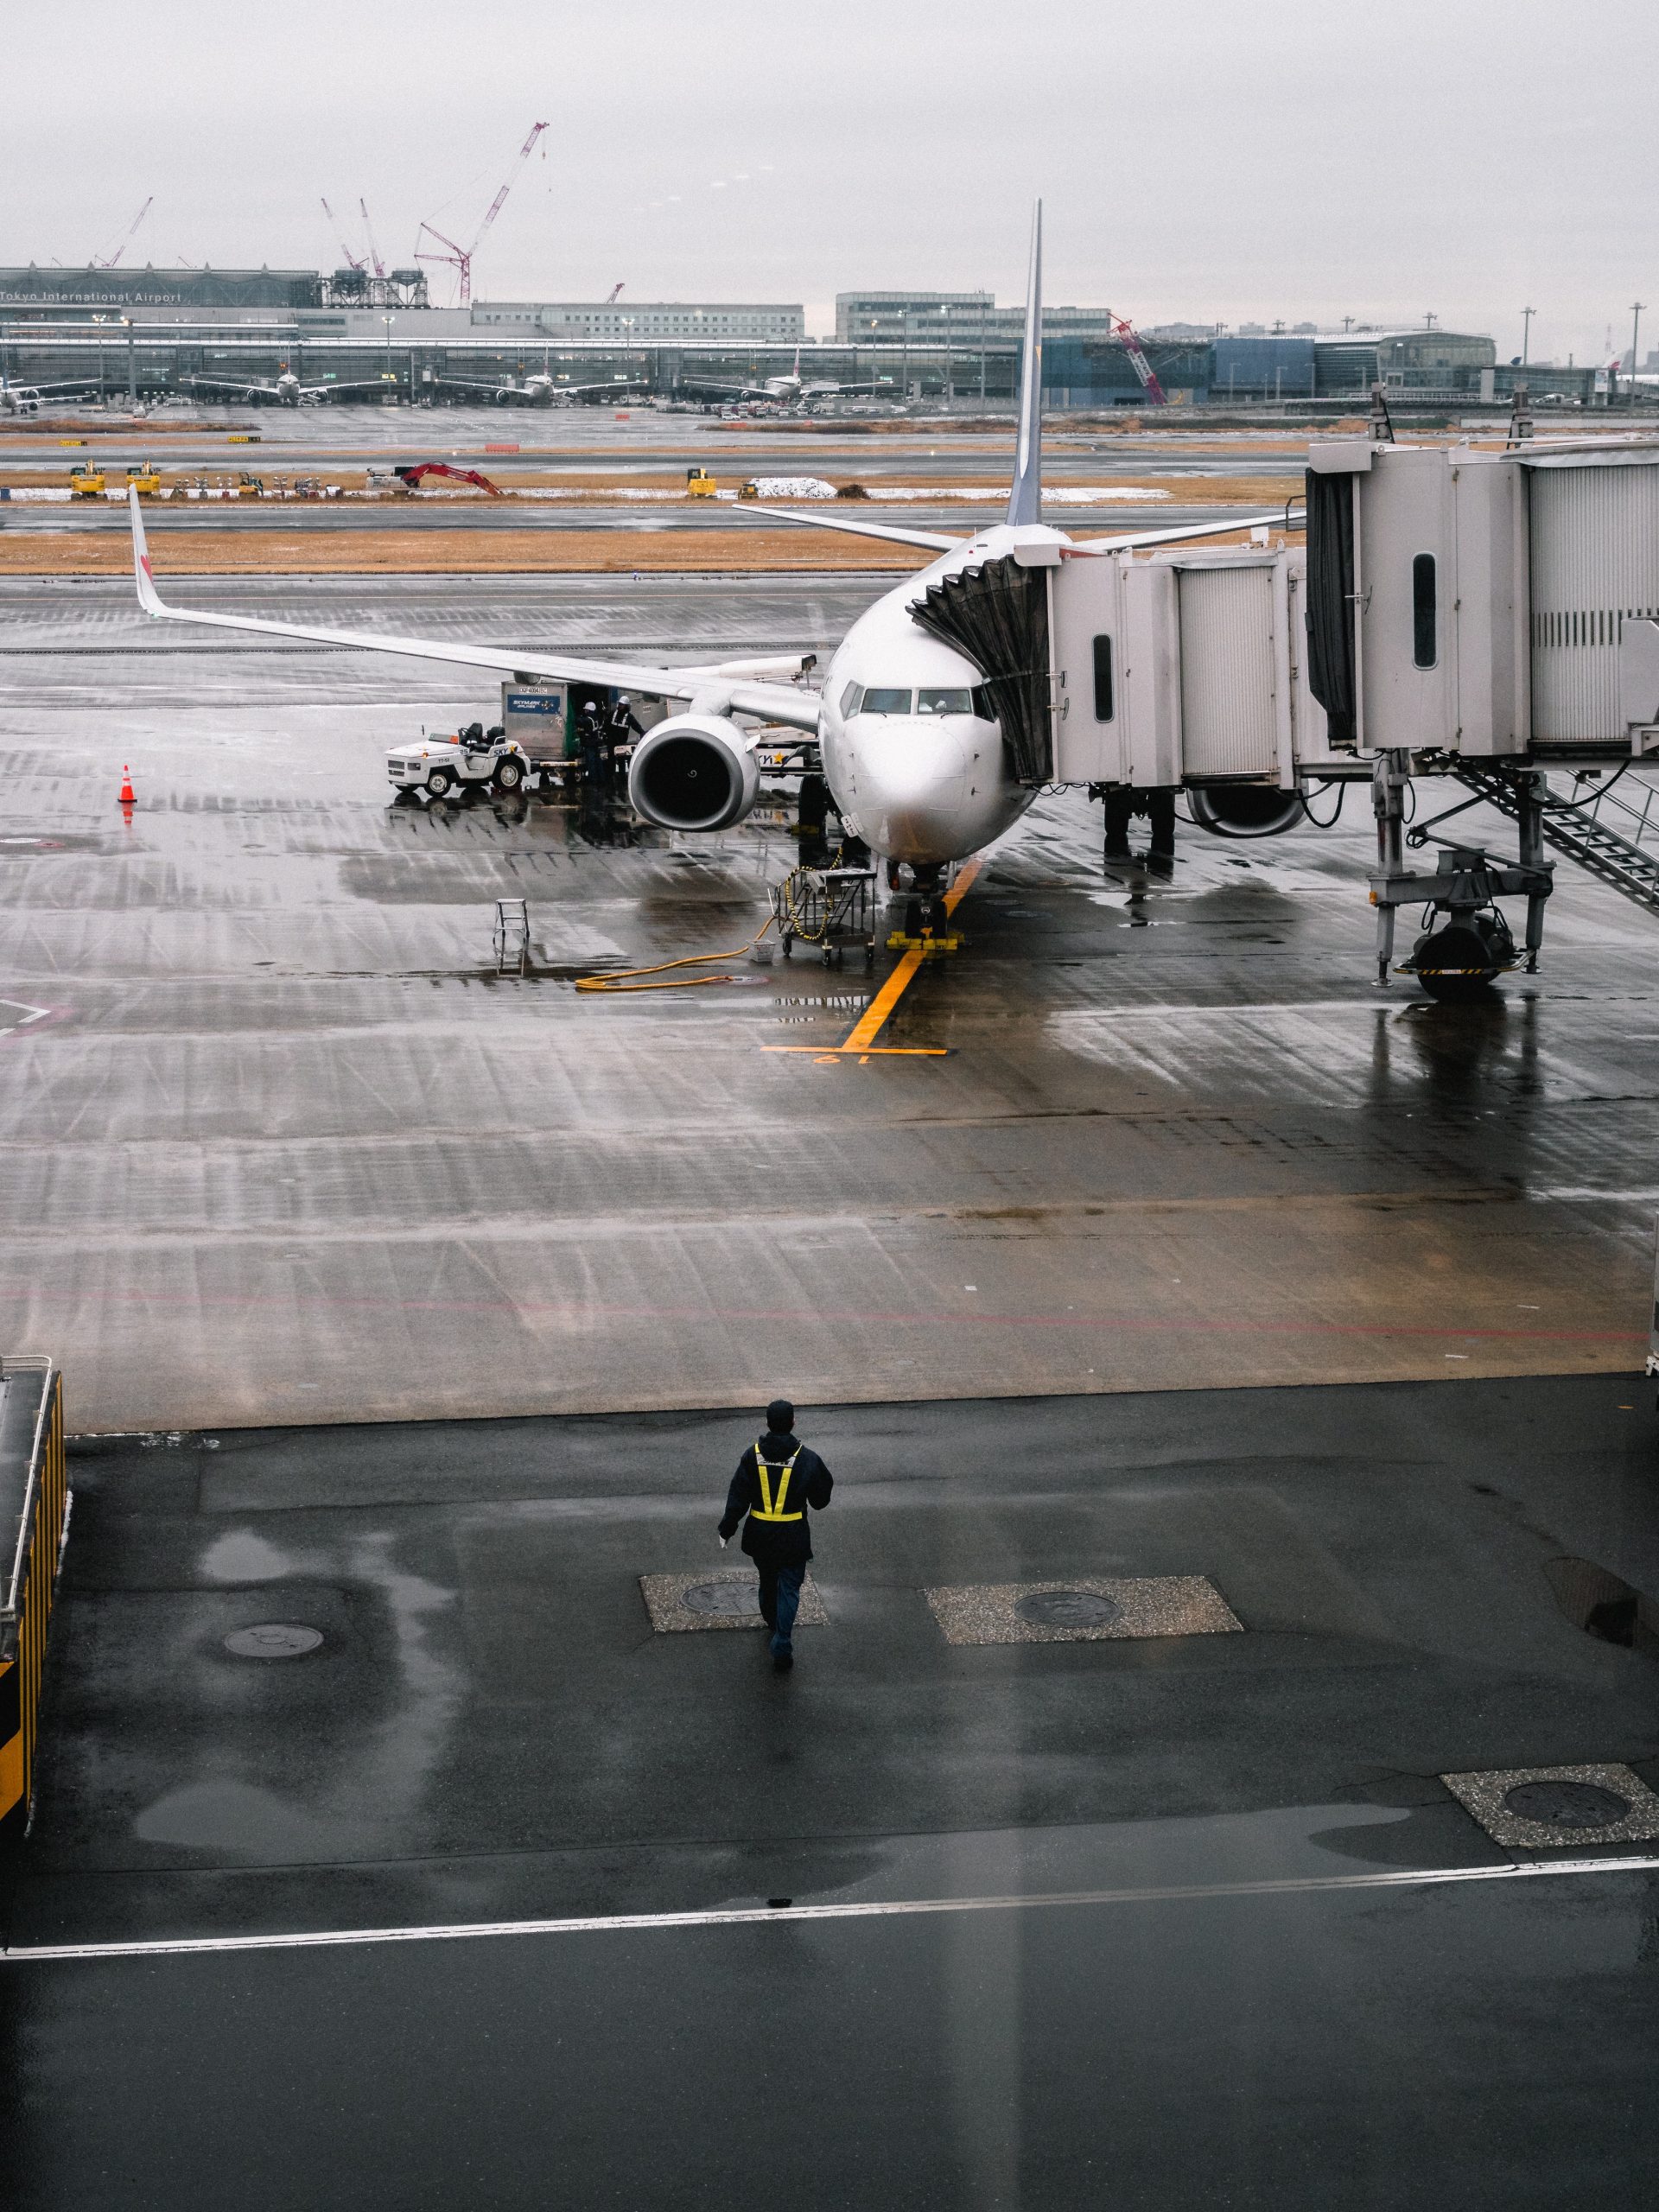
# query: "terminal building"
[[146, 333]]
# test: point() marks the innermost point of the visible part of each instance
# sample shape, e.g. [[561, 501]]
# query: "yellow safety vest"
[[770, 1507]]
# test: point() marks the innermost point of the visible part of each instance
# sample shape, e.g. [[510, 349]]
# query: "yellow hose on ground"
[[618, 979]]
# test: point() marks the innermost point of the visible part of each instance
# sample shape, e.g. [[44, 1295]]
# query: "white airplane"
[[540, 390], [932, 719], [29, 399], [287, 390], [792, 390]]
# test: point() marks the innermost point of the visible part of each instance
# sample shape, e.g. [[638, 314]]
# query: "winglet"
[[149, 598], [1026, 499]]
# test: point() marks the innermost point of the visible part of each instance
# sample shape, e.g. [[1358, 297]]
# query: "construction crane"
[[615, 295], [109, 260], [374, 250], [1128, 338], [461, 257], [338, 232]]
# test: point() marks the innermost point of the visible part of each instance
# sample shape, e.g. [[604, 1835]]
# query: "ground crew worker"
[[590, 737], [620, 728], [778, 1479]]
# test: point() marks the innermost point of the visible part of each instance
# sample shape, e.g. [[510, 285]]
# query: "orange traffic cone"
[[126, 798]]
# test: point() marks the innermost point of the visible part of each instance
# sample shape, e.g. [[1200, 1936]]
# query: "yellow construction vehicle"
[[86, 480], [143, 478], [699, 484]]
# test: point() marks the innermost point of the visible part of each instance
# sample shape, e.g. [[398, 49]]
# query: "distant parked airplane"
[[29, 399], [540, 390], [791, 390], [287, 390]]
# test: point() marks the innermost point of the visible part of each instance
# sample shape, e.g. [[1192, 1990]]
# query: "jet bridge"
[[1476, 615]]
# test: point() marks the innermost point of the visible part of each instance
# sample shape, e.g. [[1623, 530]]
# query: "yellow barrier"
[[31, 1432]]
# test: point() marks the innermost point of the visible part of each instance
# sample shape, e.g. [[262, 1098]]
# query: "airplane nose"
[[918, 764], [914, 788]]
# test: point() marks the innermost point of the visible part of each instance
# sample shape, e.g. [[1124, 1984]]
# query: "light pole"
[[1527, 314], [386, 322], [1637, 307]]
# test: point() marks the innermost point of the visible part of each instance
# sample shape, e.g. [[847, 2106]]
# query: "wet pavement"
[[281, 1146], [1178, 1920]]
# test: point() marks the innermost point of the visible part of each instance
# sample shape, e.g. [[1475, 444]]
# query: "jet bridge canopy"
[[997, 615]]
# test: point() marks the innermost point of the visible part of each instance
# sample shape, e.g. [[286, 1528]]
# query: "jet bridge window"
[[953, 701], [1104, 704], [1425, 650], [880, 700]]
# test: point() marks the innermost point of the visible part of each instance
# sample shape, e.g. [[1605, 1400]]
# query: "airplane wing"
[[772, 703], [930, 541], [357, 383], [1285, 518], [935, 542], [253, 391], [473, 384]]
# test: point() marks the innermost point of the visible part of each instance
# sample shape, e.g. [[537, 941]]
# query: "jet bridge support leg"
[[1530, 793], [1390, 781]]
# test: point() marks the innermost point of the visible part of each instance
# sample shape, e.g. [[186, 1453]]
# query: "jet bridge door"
[[1086, 633], [1230, 703]]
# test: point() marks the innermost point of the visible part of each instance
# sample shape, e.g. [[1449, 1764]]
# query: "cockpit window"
[[881, 701], [944, 703], [849, 701]]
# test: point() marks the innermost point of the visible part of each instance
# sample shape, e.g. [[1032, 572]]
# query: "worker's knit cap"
[[780, 1417]]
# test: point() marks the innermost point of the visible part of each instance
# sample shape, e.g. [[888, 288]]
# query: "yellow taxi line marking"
[[875, 1014]]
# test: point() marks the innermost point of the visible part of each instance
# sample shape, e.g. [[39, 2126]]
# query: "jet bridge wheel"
[[1459, 963]]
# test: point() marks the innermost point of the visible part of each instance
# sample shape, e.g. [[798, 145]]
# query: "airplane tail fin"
[[149, 598], [1026, 499]]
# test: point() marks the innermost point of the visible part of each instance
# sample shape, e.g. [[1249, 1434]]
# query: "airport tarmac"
[[178, 523], [489, 1894], [282, 1148]]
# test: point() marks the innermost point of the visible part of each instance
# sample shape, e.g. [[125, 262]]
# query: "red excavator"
[[411, 476]]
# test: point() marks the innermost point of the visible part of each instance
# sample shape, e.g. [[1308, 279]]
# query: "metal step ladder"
[[1614, 841], [512, 937]]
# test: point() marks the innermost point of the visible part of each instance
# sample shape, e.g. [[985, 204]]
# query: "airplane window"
[[1424, 649], [944, 703], [1104, 704], [879, 702], [849, 700], [982, 707]]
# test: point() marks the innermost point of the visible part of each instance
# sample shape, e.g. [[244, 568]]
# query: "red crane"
[[1128, 338], [341, 234], [461, 257], [109, 260]]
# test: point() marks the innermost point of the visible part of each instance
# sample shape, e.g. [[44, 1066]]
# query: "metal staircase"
[[1613, 840]]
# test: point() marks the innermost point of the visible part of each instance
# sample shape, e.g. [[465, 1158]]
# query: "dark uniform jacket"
[[778, 1543]]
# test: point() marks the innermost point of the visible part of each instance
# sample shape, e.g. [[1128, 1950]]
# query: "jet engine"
[[1245, 809], [694, 771]]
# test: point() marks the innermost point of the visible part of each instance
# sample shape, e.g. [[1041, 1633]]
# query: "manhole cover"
[[1567, 1804], [274, 1640], [1066, 1609], [727, 1599]]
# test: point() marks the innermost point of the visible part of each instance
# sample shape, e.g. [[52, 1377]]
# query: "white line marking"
[[750, 1916]]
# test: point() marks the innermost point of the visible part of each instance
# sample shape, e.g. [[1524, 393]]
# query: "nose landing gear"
[[926, 926]]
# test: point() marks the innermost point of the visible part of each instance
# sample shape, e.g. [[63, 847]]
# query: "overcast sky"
[[1200, 160]]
